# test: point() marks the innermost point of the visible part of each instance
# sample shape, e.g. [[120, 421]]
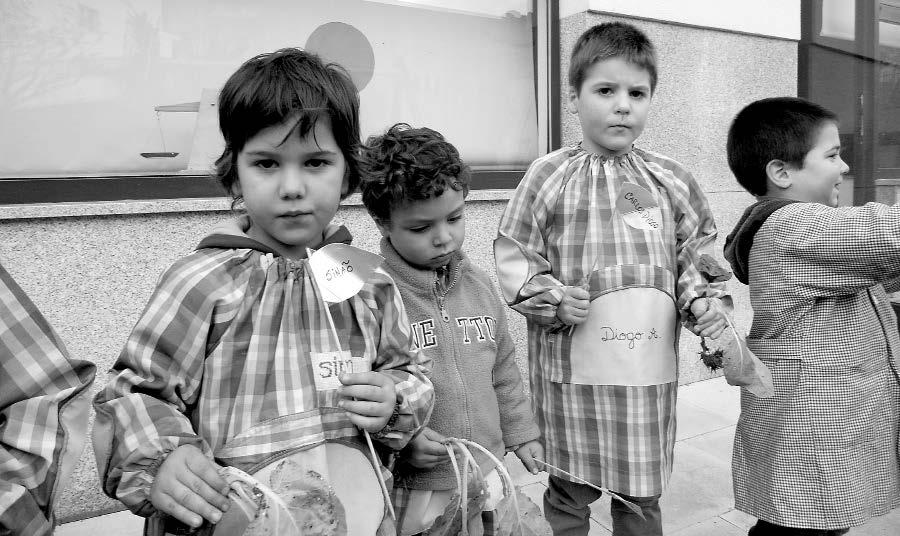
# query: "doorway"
[[850, 63]]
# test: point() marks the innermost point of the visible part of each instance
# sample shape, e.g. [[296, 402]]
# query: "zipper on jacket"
[[441, 295]]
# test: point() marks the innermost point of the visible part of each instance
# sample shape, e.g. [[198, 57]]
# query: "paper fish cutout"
[[638, 207], [341, 270]]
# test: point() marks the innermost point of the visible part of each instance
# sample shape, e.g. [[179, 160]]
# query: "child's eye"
[[265, 163], [317, 162], [418, 230], [605, 91], [638, 94], [454, 218]]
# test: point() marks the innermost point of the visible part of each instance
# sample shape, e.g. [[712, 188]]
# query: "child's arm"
[[141, 422], [520, 252], [43, 413], [695, 234], [403, 369], [838, 251], [520, 432]]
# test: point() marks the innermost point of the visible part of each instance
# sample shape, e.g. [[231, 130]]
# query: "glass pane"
[[887, 118], [91, 86], [833, 83], [838, 19]]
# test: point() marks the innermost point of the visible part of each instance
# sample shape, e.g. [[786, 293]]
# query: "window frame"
[[88, 188]]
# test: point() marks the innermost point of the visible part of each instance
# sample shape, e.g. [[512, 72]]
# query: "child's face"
[[291, 186], [818, 181], [612, 105], [428, 232]]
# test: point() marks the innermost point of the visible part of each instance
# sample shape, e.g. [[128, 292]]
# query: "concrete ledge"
[[161, 206]]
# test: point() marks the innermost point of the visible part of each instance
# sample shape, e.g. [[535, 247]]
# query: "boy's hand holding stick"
[[576, 303]]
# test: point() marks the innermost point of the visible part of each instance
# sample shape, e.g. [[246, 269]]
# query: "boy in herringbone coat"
[[821, 455]]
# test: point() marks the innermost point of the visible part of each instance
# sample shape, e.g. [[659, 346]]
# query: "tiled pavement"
[[698, 502]]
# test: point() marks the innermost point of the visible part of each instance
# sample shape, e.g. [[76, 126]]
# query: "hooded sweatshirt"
[[740, 240], [461, 326], [221, 358]]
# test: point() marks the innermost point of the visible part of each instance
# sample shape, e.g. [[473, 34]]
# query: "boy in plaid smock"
[[598, 250], [414, 186], [44, 407], [223, 367], [822, 454]]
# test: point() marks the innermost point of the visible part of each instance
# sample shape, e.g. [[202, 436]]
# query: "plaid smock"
[[219, 359], [44, 405], [564, 219], [823, 452]]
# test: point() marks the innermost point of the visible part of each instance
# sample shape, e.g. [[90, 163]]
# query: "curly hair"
[[408, 164], [271, 88]]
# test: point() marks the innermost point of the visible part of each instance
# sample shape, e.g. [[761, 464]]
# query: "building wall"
[[92, 274]]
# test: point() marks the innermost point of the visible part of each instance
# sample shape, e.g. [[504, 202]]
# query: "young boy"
[[598, 250], [233, 361], [43, 414], [414, 186], [820, 456]]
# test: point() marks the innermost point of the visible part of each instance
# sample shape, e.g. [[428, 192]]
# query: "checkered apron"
[[43, 413], [564, 219], [220, 359], [823, 453]]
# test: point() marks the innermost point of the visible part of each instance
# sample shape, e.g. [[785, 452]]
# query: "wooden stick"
[[376, 464], [631, 506]]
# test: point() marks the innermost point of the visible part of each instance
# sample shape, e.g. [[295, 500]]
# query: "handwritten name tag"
[[611, 335], [627, 339], [638, 207], [328, 367], [341, 270]]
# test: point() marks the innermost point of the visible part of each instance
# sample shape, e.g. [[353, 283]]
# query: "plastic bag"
[[299, 503], [515, 514], [741, 366]]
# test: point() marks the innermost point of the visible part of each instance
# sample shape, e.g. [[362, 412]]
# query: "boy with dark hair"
[[822, 454], [43, 414], [414, 185], [599, 249]]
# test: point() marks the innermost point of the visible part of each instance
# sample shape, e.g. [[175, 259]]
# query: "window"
[[850, 63], [115, 100]]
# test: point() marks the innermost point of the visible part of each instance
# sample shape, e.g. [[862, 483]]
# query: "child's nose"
[[292, 183], [442, 236], [623, 104]]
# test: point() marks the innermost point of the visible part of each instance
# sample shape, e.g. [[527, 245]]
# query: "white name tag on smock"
[[627, 339], [328, 367], [638, 207]]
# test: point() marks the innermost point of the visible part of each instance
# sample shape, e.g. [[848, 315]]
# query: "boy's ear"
[[572, 104], [779, 173]]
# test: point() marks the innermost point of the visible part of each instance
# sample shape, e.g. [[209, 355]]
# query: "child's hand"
[[189, 488], [527, 452], [710, 320], [574, 307], [368, 398], [426, 450]]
